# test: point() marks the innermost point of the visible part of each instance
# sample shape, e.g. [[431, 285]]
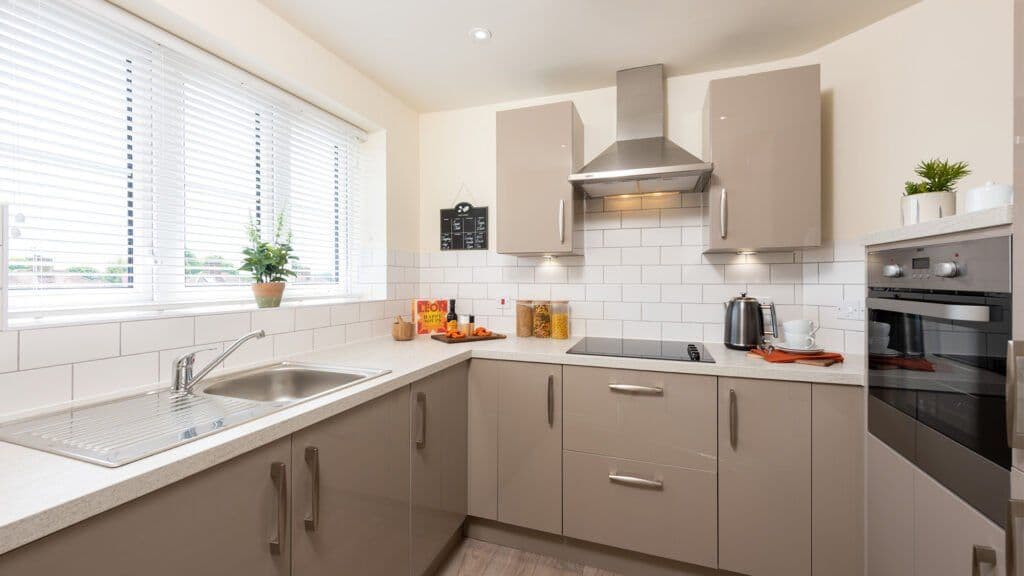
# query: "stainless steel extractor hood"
[[642, 160]]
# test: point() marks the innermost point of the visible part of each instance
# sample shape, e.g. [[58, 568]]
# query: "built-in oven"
[[938, 322]]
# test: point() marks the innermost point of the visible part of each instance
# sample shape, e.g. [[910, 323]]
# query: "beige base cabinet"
[[538, 211], [918, 527], [763, 135], [516, 458], [764, 477], [220, 521], [437, 408], [350, 491]]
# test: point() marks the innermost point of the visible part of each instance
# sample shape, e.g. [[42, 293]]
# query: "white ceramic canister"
[[990, 195]]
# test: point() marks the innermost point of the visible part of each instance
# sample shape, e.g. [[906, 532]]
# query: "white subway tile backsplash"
[[718, 293], [604, 257], [787, 273], [661, 236], [777, 293], [64, 345], [535, 291], [456, 275], [664, 200], [703, 313], [641, 293], [447, 259], [371, 311], [748, 273], [641, 330], [431, 275], [274, 320], [328, 337], [293, 343], [684, 331], [472, 258], [588, 310], [623, 237], [309, 317], [550, 274], [642, 255], [344, 314], [604, 292], [593, 238], [680, 255], [602, 221], [153, 335], [694, 236], [487, 275], [100, 377], [622, 311], [662, 274], [662, 312], [32, 389], [8, 351], [622, 203], [516, 274], [704, 274], [569, 292], [688, 293], [823, 294], [586, 275], [621, 274], [641, 219], [841, 272], [770, 258], [220, 327], [604, 328], [680, 217]]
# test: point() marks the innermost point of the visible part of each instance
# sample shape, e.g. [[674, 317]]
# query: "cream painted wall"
[[932, 80], [251, 36]]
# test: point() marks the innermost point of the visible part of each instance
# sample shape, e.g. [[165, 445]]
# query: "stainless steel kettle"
[[744, 322]]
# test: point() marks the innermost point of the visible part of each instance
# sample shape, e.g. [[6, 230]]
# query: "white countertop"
[[999, 216], [41, 493]]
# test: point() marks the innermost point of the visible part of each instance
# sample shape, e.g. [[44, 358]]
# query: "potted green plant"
[[269, 262], [935, 196]]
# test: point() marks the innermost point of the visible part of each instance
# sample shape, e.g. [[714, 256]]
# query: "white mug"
[[799, 333], [800, 341]]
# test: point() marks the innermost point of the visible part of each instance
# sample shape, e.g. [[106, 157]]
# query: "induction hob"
[[651, 349]]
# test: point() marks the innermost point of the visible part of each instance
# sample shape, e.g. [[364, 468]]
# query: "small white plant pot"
[[928, 206]]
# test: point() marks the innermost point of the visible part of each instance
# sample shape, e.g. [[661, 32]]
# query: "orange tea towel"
[[780, 356]]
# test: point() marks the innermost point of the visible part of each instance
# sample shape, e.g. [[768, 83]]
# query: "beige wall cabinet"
[[764, 477], [516, 458], [438, 437], [220, 521], [537, 211], [763, 135], [350, 495]]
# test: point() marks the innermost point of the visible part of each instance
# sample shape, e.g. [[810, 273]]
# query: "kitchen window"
[[131, 169]]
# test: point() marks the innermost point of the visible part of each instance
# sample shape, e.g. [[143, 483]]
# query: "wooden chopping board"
[[444, 338]]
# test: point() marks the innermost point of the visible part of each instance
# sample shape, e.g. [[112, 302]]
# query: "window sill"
[[31, 320]]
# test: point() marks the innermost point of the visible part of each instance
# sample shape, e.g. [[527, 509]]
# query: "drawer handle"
[[278, 475], [551, 401], [637, 389], [421, 414], [636, 481], [734, 420]]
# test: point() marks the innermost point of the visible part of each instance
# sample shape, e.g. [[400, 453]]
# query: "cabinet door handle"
[[637, 389], [421, 413], [1014, 511], [734, 417], [551, 400], [279, 476], [724, 213], [982, 555], [561, 221], [312, 520], [636, 481]]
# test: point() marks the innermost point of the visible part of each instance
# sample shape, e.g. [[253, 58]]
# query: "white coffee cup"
[[799, 333]]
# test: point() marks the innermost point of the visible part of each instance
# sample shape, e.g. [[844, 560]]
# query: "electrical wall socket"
[[852, 310]]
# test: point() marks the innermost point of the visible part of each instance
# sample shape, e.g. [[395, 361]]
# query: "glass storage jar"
[[560, 319], [541, 319], [524, 318]]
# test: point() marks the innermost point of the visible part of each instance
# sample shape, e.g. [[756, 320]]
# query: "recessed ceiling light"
[[480, 34]]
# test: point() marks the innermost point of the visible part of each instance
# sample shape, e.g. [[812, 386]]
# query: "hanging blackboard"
[[464, 227]]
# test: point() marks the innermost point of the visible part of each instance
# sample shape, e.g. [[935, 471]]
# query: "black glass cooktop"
[[653, 349]]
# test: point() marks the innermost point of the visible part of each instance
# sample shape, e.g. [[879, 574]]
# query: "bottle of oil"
[[452, 320]]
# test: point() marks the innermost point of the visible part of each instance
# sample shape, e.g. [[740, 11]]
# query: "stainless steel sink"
[[284, 382], [121, 431]]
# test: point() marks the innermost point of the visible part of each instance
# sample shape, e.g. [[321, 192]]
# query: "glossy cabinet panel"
[[483, 438], [538, 212], [837, 472], [764, 477], [350, 511], [655, 417], [219, 521], [764, 138], [948, 531], [437, 412], [890, 511], [660, 510], [530, 445]]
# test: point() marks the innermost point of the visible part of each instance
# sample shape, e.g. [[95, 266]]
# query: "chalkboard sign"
[[464, 227]]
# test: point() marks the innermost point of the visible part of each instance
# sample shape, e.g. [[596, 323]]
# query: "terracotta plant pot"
[[268, 294]]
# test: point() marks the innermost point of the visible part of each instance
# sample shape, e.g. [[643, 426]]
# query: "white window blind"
[[132, 169]]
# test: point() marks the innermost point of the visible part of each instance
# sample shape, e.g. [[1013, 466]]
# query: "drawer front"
[[649, 416], [676, 519]]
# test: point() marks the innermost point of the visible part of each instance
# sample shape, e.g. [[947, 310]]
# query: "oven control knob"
[[892, 271], [946, 270]]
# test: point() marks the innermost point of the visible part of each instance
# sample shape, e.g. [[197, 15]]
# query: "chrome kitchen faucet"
[[185, 381]]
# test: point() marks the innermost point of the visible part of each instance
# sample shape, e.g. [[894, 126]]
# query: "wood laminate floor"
[[478, 558]]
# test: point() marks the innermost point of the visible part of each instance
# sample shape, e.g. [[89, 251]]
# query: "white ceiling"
[[421, 50]]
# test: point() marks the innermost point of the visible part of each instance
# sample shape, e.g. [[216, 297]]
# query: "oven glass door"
[[941, 360]]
